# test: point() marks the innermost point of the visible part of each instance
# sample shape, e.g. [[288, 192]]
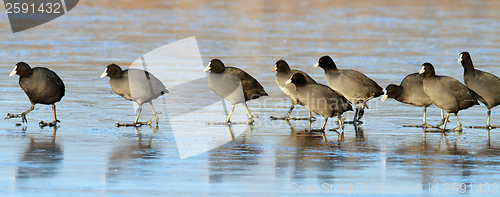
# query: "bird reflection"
[[233, 158], [434, 156], [42, 159], [302, 155], [306, 151], [124, 160]]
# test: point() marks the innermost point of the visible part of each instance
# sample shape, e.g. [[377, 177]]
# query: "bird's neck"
[[468, 68]]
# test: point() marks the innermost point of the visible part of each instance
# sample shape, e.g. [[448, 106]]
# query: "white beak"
[[422, 70], [384, 96], [289, 81], [316, 65], [105, 73], [14, 71], [460, 58], [275, 68], [208, 67]]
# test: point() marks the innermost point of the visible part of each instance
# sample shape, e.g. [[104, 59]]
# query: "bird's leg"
[[230, 114], [250, 117], [23, 115], [355, 120], [424, 122], [311, 117], [289, 111], [324, 124], [50, 124], [488, 119], [459, 125], [287, 116], [136, 122], [155, 115], [361, 111], [340, 124], [442, 120], [341, 121], [446, 120], [138, 114]]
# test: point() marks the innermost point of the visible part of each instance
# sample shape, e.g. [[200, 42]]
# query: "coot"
[[320, 99], [283, 73], [42, 85], [447, 93], [234, 85], [135, 85], [483, 83], [411, 91], [354, 85]]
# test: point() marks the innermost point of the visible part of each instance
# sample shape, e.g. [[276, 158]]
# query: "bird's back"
[[353, 84], [251, 87], [290, 89], [138, 85], [449, 93], [43, 86], [413, 91], [322, 100], [486, 85]]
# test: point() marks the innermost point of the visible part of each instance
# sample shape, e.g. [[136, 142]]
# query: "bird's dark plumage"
[[283, 74], [234, 85], [354, 85], [410, 91], [41, 85], [320, 98], [446, 92], [483, 83], [135, 85], [225, 80]]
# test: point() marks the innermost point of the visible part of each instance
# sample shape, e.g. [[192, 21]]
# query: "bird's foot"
[[277, 118], [219, 123], [314, 130], [458, 128], [250, 120], [484, 127], [312, 119], [136, 124], [50, 124], [22, 116], [426, 125], [155, 117]]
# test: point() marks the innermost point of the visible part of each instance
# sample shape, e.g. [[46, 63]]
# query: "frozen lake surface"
[[386, 40]]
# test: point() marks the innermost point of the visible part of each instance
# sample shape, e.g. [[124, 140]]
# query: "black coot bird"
[[411, 91], [483, 83], [135, 85], [283, 73], [447, 93], [354, 85], [42, 86], [234, 85], [320, 99]]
